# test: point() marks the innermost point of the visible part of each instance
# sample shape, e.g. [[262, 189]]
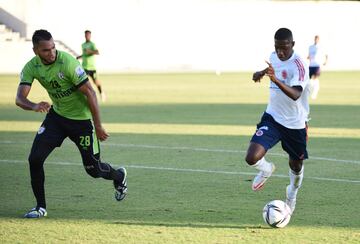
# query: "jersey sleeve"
[[26, 75], [75, 71], [299, 74]]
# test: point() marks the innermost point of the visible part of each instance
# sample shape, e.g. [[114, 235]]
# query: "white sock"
[[315, 88], [263, 165], [296, 179]]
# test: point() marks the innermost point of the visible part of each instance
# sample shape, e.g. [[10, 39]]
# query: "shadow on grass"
[[190, 225]]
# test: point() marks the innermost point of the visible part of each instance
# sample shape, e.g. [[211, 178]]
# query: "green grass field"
[[182, 138]]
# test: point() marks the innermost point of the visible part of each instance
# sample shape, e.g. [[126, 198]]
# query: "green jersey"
[[61, 80], [88, 60]]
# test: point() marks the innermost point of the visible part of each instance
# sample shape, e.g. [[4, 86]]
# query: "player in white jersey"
[[285, 116], [317, 58]]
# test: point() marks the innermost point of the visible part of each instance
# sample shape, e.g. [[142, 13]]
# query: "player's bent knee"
[[296, 165], [254, 153], [36, 159]]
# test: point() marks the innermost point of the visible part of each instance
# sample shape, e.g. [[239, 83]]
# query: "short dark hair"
[[40, 35], [87, 31], [283, 34]]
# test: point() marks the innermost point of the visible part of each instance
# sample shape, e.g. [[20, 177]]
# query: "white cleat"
[[291, 202], [36, 213], [261, 178]]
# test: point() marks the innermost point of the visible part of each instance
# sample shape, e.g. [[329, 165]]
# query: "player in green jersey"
[[89, 51], [74, 113]]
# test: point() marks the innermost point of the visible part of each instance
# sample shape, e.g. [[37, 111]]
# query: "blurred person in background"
[[317, 58], [89, 51]]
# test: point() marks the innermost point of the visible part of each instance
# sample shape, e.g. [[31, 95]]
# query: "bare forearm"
[[291, 92], [92, 52], [90, 94], [24, 103], [94, 109], [258, 75]]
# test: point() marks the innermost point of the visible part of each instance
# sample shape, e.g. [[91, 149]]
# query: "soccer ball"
[[277, 214]]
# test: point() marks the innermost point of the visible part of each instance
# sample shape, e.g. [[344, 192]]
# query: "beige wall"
[[163, 35]]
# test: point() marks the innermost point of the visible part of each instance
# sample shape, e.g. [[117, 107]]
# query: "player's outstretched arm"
[[24, 103], [258, 75], [92, 52], [89, 92]]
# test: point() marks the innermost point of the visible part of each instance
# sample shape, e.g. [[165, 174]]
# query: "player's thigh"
[[83, 135], [267, 133], [91, 74], [294, 142], [85, 139], [314, 72], [49, 136]]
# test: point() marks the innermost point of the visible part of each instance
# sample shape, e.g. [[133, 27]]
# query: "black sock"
[[37, 184]]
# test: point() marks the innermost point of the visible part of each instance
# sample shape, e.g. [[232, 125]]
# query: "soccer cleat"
[[36, 213], [291, 202], [121, 187], [261, 178]]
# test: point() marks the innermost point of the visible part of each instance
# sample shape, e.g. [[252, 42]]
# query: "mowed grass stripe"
[[189, 170], [183, 129], [200, 149], [218, 150]]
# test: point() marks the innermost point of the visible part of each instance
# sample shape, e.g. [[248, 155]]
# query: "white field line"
[[199, 149], [223, 151], [188, 170]]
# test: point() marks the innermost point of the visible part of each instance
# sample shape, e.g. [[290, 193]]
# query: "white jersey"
[[287, 112], [316, 55]]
